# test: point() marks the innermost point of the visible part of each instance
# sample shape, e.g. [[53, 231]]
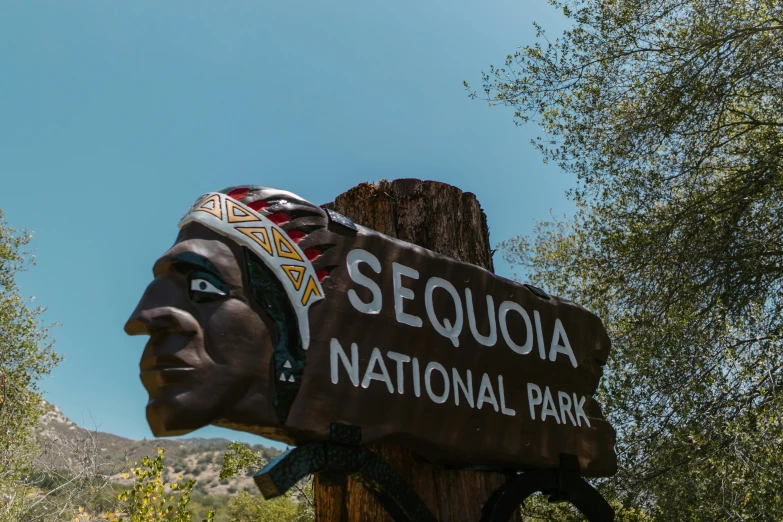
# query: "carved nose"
[[145, 321], [140, 321], [154, 312]]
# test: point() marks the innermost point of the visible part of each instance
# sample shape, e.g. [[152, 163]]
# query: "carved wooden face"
[[208, 357]]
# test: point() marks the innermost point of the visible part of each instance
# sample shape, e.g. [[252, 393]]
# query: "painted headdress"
[[256, 224]]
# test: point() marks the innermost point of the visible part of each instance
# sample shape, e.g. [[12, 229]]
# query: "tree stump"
[[446, 220]]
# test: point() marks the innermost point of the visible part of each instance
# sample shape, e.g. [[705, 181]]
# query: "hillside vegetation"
[[83, 473]]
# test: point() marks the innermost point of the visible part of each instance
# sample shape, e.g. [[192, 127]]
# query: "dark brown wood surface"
[[538, 374], [446, 220]]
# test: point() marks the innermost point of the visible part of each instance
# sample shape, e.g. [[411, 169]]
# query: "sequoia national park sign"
[[273, 316]]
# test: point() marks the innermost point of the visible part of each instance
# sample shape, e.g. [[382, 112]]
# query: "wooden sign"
[[274, 316]]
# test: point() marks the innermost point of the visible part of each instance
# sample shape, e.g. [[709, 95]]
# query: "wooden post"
[[444, 219]]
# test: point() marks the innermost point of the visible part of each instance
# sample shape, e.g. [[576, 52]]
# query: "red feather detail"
[[321, 275], [238, 193], [312, 254], [258, 205], [279, 218], [296, 235]]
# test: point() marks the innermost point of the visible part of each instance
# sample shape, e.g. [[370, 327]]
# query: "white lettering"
[[467, 391], [446, 329], [428, 384], [580, 412], [539, 335], [355, 257], [502, 393], [351, 367], [416, 377], [401, 292], [565, 348], [534, 398], [400, 359], [454, 382], [549, 409], [503, 310], [371, 375], [490, 339], [486, 386], [565, 407]]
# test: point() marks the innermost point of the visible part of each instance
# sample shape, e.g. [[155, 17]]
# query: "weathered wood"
[[448, 221]]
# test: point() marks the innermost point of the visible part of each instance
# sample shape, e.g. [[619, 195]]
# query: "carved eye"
[[199, 287]]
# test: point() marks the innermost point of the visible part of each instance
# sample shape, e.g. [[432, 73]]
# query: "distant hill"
[[61, 442]]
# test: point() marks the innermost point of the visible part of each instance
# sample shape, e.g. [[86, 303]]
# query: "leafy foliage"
[[246, 507], [240, 457], [670, 114], [26, 355], [151, 500], [294, 506]]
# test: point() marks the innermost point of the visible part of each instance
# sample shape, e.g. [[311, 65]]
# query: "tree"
[[150, 499], [295, 506], [40, 479], [670, 114], [250, 508], [26, 355]]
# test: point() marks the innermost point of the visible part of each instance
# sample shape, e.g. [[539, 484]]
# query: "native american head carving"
[[227, 313]]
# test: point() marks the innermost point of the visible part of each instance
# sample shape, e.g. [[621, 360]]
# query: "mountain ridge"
[[64, 444]]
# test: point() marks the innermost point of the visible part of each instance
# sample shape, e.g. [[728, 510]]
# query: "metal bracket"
[[561, 485], [343, 455]]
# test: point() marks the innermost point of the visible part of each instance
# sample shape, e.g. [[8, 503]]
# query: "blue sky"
[[115, 116]]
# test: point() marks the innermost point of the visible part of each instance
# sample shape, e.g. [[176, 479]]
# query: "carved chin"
[[177, 415]]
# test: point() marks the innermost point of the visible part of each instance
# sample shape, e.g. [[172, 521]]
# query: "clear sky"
[[115, 116]]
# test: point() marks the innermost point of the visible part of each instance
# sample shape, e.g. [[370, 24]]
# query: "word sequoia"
[[448, 328]]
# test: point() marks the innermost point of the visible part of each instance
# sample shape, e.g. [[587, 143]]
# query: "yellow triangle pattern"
[[237, 214], [284, 247], [211, 205], [310, 289], [295, 274], [259, 235]]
